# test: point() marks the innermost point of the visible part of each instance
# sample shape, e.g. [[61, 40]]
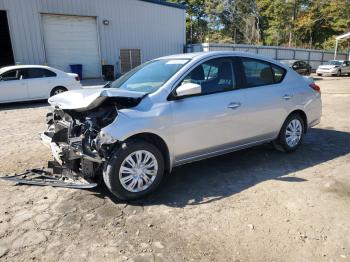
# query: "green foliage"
[[299, 23]]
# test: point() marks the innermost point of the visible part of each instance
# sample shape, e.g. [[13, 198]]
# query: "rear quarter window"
[[278, 73]]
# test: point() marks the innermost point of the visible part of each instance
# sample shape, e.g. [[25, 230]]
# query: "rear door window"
[[258, 72], [32, 73]]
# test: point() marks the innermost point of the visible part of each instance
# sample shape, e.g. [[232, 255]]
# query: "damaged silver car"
[[175, 110]]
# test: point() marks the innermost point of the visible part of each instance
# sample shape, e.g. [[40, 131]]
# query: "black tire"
[[319, 74], [112, 168], [339, 73], [57, 90], [281, 142]]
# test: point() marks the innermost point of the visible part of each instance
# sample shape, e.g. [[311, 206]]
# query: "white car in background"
[[334, 67], [34, 82]]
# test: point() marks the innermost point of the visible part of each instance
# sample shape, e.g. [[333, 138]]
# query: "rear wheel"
[[291, 134], [58, 90], [134, 171]]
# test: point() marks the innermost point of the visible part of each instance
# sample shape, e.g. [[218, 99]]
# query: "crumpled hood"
[[86, 99], [327, 66]]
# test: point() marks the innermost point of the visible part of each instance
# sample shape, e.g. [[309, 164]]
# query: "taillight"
[[315, 87], [77, 78]]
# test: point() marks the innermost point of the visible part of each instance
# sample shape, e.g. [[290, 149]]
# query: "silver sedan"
[[179, 109]]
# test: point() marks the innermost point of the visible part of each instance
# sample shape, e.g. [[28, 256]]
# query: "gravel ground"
[[254, 205]]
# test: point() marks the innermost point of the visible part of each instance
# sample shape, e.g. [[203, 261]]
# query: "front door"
[[12, 87], [212, 121]]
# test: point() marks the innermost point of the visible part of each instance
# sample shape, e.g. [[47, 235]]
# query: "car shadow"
[[216, 178], [23, 105]]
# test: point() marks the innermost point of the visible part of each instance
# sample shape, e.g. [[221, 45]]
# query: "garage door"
[[72, 40]]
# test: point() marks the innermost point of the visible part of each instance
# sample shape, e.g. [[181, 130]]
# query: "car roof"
[[23, 66], [203, 55]]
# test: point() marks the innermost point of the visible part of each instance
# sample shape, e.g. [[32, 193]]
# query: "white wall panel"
[[302, 55], [285, 54], [269, 52], [155, 29]]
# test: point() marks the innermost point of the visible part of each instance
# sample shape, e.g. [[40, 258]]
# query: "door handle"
[[234, 105], [287, 97]]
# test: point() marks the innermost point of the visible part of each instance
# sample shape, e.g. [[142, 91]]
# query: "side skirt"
[[219, 152]]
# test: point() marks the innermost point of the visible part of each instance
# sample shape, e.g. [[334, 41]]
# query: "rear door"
[[267, 99], [12, 87], [40, 82]]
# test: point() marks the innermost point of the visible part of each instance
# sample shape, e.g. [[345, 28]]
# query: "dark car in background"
[[300, 66]]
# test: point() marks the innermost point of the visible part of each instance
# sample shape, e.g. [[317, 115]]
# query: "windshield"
[[149, 77], [333, 62]]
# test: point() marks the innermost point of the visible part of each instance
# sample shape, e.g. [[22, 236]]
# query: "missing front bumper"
[[68, 151], [47, 177]]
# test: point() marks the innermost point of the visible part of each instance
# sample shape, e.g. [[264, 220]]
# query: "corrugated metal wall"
[[314, 57], [155, 29]]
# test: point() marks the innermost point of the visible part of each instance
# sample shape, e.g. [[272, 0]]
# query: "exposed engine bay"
[[78, 146], [76, 139]]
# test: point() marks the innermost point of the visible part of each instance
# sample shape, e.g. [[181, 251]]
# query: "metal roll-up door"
[[72, 40]]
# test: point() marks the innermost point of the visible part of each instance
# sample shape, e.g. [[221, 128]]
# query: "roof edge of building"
[[160, 2]]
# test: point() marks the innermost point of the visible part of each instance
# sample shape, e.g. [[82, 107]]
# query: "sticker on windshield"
[[176, 62]]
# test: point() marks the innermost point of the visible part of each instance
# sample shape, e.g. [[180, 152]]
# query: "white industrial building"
[[122, 33]]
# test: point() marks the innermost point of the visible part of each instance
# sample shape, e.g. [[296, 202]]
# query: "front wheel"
[[291, 134], [339, 73], [134, 171]]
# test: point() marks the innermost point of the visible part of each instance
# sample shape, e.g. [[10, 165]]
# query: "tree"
[[299, 23], [237, 18], [196, 20]]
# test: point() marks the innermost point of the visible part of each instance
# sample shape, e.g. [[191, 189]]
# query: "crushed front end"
[[74, 135], [75, 140]]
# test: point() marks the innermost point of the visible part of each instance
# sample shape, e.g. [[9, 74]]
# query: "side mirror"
[[188, 89]]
